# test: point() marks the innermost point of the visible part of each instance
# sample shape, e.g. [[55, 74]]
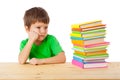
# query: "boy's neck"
[[38, 42]]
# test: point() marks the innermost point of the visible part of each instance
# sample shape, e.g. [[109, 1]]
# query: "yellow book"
[[76, 35], [92, 53], [87, 24], [75, 26]]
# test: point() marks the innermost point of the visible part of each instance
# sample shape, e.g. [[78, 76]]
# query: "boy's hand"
[[33, 36], [34, 61]]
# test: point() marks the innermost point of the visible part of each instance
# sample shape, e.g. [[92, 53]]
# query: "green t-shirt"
[[48, 48]]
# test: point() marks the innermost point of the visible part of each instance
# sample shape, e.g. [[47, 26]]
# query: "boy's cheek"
[[34, 29]]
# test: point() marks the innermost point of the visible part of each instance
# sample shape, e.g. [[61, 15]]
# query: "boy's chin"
[[40, 39]]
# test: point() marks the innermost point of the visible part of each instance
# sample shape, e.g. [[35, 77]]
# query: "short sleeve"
[[55, 46], [22, 44]]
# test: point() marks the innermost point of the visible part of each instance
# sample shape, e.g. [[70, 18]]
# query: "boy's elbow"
[[21, 61], [63, 58]]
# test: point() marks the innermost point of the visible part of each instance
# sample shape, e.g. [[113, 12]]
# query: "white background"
[[62, 13]]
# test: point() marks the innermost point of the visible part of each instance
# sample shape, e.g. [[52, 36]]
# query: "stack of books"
[[90, 48]]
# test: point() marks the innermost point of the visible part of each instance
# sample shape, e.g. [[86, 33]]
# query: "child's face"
[[41, 29]]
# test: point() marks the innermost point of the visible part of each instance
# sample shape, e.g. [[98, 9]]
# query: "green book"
[[82, 49], [91, 56], [90, 31]]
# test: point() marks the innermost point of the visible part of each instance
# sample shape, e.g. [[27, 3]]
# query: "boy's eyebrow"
[[41, 26], [46, 26]]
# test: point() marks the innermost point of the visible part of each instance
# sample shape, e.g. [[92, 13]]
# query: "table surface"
[[15, 71]]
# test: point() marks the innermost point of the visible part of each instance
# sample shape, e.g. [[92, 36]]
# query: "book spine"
[[74, 62]]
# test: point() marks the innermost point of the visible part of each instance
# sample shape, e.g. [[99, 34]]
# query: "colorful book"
[[93, 45], [82, 49], [88, 42], [93, 31], [93, 35], [75, 34], [98, 44], [89, 32], [87, 38], [87, 24], [89, 65], [102, 26], [91, 57], [91, 53], [88, 61]]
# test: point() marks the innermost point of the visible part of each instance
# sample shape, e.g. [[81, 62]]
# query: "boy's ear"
[[26, 28]]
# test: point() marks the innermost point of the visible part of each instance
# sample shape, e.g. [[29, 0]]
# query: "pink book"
[[98, 44], [90, 65], [74, 62]]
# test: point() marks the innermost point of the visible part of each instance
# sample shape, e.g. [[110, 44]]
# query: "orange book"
[[88, 42], [92, 45], [91, 53]]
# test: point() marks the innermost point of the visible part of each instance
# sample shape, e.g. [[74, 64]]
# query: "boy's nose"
[[41, 31]]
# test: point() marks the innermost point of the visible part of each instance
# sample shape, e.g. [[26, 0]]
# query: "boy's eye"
[[42, 27], [46, 27], [38, 27]]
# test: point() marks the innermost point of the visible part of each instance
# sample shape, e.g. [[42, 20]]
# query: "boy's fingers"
[[36, 32]]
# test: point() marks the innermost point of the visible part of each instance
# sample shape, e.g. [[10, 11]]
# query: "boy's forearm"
[[60, 58], [23, 56]]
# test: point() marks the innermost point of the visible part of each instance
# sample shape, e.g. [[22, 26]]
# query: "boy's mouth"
[[41, 35]]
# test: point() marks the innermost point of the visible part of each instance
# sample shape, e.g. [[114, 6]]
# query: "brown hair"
[[35, 14]]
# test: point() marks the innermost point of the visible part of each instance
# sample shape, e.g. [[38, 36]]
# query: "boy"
[[40, 47]]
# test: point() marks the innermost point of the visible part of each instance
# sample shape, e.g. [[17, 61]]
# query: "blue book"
[[81, 38], [78, 59], [88, 61]]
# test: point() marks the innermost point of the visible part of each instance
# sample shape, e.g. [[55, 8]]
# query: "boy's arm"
[[60, 58], [23, 56]]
